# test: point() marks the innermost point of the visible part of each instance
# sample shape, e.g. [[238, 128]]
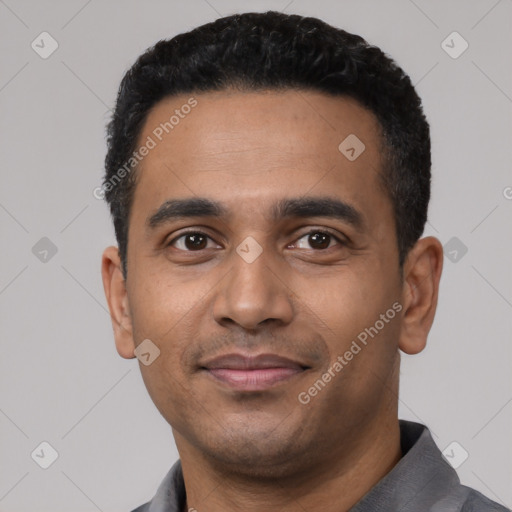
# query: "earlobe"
[[422, 274], [117, 299]]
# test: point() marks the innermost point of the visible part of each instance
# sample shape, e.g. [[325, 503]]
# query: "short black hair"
[[276, 51]]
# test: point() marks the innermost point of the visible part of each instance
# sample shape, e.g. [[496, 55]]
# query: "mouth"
[[253, 373]]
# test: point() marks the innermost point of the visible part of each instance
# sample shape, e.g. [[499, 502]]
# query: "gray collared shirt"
[[422, 481]]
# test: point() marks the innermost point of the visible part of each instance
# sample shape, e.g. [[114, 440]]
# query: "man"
[[269, 177]]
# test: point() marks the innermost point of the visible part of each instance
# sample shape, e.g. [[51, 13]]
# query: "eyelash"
[[310, 232]]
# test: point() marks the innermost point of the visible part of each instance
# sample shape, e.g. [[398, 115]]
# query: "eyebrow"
[[301, 207]]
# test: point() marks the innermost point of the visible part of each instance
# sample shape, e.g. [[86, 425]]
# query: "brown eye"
[[191, 241], [317, 239]]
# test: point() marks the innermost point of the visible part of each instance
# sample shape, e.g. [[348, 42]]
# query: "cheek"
[[160, 305], [170, 393], [369, 327], [362, 339], [344, 304], [173, 311], [165, 315]]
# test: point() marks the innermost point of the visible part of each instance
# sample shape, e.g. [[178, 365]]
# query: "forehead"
[[301, 123], [251, 149]]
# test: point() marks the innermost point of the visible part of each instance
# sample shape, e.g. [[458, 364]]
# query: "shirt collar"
[[421, 480]]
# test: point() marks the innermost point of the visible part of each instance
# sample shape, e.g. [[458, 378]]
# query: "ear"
[[117, 298], [422, 273]]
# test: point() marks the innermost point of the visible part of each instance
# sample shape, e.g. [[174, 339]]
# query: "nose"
[[252, 294]]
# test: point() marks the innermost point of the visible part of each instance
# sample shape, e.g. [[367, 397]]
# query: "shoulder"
[[142, 508], [170, 495], [477, 502]]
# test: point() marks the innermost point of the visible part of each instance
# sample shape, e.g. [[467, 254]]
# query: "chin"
[[261, 454]]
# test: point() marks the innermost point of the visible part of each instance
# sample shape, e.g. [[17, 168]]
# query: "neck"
[[332, 484]]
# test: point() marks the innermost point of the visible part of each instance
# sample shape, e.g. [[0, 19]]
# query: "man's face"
[[253, 281]]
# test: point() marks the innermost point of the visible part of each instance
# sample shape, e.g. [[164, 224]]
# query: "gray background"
[[61, 379]]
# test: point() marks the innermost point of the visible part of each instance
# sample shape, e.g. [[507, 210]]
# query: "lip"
[[252, 373]]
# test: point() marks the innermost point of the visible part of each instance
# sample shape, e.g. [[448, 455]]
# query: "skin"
[[256, 451]]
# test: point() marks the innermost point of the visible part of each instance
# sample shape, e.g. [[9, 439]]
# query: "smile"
[[252, 373]]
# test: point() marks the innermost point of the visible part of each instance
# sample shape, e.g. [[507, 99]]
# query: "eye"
[[191, 241], [318, 239]]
